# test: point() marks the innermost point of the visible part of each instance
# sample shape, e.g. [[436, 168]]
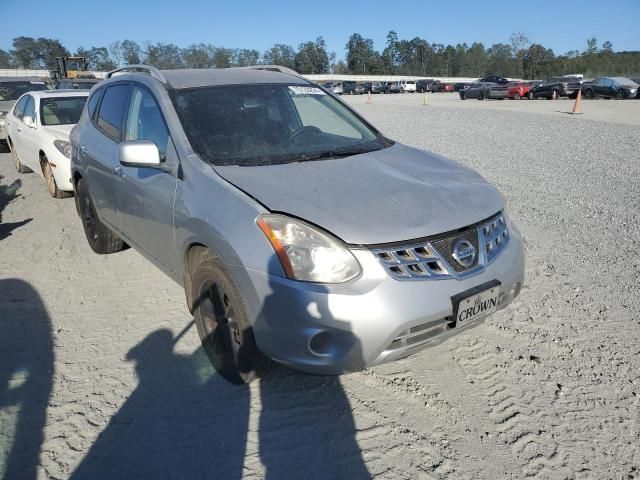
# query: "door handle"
[[19, 129], [118, 172]]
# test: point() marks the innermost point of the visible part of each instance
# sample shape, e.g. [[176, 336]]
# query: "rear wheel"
[[516, 96], [530, 96], [16, 161], [462, 96], [50, 181], [101, 239], [555, 95], [221, 319]]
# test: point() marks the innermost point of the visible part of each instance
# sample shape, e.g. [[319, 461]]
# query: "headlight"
[[63, 147], [306, 253]]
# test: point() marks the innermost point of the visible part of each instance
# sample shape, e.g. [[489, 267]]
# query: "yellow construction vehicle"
[[71, 67]]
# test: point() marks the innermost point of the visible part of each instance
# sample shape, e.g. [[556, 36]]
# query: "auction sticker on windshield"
[[306, 90], [476, 303]]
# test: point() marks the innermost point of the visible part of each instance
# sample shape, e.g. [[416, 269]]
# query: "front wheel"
[[101, 239], [555, 95], [588, 94], [50, 181], [222, 323], [516, 96], [530, 96], [620, 94], [462, 96]]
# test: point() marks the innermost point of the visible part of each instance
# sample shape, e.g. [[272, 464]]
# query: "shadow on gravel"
[[8, 193], [185, 421], [26, 371]]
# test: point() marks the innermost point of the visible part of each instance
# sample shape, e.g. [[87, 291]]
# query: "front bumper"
[[61, 168], [332, 329]]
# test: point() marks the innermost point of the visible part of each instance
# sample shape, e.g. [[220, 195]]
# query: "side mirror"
[[139, 153], [29, 122]]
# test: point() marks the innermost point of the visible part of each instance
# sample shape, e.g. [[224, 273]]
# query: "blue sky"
[[557, 24]]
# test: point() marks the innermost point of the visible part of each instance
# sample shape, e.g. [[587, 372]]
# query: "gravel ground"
[[101, 374]]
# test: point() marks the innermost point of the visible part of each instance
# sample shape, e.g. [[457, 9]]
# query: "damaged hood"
[[395, 194], [61, 132]]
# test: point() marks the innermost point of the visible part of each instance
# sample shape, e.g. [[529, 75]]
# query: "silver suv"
[[299, 232]]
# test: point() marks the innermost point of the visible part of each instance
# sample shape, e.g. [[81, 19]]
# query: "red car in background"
[[446, 87], [518, 90]]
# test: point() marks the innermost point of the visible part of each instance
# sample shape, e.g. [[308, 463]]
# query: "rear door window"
[[30, 108], [92, 104], [18, 111], [112, 108]]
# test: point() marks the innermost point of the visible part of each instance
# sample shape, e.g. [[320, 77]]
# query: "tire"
[[222, 323], [516, 96], [16, 161], [530, 96], [482, 96], [588, 94], [50, 181], [620, 95], [555, 95], [462, 96], [101, 239]]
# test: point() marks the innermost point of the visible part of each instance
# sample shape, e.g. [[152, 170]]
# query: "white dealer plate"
[[474, 305]]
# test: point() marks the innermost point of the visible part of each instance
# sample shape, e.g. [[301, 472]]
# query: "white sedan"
[[38, 130]]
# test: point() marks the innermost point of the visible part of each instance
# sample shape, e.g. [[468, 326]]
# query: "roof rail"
[[276, 68], [153, 71]]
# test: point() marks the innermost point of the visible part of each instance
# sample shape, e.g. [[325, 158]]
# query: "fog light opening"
[[320, 343]]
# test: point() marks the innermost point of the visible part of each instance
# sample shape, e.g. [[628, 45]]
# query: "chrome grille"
[[432, 259], [445, 247], [495, 235]]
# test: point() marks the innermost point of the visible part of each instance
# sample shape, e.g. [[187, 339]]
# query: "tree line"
[[518, 57]]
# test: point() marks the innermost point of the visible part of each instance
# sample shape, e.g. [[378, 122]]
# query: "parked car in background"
[[460, 86], [494, 79], [367, 86], [77, 83], [445, 87], [556, 87], [335, 88], [610, 87], [187, 167], [12, 88], [518, 90], [637, 80], [395, 87], [408, 86], [484, 91], [380, 87], [352, 88], [425, 85], [38, 130]]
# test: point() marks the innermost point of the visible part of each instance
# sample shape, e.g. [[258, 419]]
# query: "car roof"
[[193, 78], [59, 93], [22, 79]]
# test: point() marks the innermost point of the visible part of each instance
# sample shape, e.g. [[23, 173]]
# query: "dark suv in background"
[[12, 88], [352, 88], [556, 87]]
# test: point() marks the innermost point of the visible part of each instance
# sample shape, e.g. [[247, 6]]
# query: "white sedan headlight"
[[63, 147], [306, 253]]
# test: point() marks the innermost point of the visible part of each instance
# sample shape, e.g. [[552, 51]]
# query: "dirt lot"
[[97, 381]]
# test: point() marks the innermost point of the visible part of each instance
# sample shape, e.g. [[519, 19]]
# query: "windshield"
[[61, 110], [270, 124], [13, 90], [625, 81], [84, 84]]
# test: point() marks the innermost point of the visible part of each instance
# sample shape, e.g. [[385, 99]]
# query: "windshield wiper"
[[328, 154]]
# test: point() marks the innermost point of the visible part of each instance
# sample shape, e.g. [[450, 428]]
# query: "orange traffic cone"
[[577, 107], [369, 99]]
